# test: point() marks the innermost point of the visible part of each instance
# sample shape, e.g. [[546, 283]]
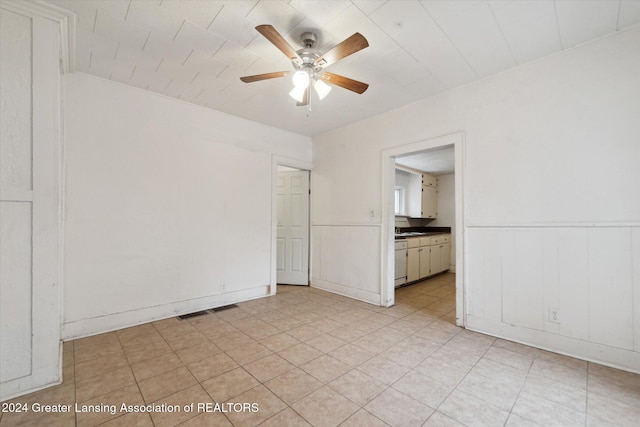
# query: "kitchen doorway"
[[414, 154]]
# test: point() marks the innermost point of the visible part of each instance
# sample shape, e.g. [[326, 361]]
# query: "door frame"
[[387, 231], [292, 163]]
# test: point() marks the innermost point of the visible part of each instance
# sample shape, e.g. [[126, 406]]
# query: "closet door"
[[29, 185]]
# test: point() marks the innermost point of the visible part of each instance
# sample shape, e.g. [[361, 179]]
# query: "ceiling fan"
[[309, 64]]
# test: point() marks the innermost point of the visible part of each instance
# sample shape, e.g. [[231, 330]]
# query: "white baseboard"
[[110, 322], [347, 291], [593, 352]]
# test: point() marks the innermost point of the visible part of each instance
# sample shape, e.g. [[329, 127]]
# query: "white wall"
[[551, 170], [446, 211], [168, 205]]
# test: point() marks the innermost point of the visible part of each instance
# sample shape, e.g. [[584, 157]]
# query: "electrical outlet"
[[554, 315]]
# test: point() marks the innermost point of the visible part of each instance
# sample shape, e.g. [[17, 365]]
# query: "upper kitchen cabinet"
[[416, 193], [429, 196], [429, 180]]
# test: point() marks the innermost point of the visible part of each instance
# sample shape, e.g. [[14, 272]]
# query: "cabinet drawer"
[[413, 243], [425, 241], [436, 240], [446, 238]]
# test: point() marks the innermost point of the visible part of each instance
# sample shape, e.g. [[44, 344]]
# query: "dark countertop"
[[409, 232]]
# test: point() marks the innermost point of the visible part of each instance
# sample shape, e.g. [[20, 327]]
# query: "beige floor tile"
[[560, 359], [555, 391], [186, 340], [373, 344], [262, 331], [166, 384], [234, 340], [300, 354], [268, 404], [107, 407], [58, 395], [326, 343], [156, 366], [613, 411], [106, 340], [383, 370], [304, 332], [287, 417], [349, 333], [544, 412], [363, 418], [559, 372], [509, 358], [90, 352], [498, 391], [268, 367], [130, 420], [219, 331], [229, 384], [398, 409], [325, 407], [102, 384], [438, 419], [471, 411], [211, 366], [325, 368], [215, 419], [293, 385], [351, 355], [613, 374], [357, 387], [278, 342], [194, 394], [99, 366], [403, 356], [198, 352], [248, 353], [326, 324], [141, 352], [516, 347], [423, 389]]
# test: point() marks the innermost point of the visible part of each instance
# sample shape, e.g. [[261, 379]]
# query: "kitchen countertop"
[[410, 234]]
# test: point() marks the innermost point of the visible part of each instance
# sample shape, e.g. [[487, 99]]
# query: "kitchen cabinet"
[[439, 254], [429, 180], [413, 260], [429, 202], [427, 256]]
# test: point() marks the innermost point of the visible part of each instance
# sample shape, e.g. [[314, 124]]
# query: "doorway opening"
[[291, 225], [441, 157]]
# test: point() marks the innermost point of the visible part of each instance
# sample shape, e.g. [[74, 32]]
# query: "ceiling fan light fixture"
[[301, 79], [298, 93], [321, 88]]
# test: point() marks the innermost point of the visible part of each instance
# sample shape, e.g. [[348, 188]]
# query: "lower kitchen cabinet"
[[427, 256], [413, 264]]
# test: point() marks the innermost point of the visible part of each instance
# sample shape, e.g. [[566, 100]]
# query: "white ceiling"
[[196, 50], [440, 161]]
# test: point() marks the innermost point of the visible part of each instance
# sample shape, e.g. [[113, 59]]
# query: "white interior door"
[[29, 140], [292, 258]]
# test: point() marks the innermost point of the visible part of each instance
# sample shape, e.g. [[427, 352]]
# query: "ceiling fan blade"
[[278, 41], [305, 99], [258, 77], [345, 82], [347, 47]]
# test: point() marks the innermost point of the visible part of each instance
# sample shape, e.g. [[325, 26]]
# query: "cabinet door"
[[413, 264], [436, 256], [424, 261], [429, 202], [429, 180], [445, 257]]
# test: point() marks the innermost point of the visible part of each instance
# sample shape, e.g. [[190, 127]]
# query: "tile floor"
[[308, 357]]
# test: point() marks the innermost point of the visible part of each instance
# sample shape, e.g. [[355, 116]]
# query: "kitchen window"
[[399, 200]]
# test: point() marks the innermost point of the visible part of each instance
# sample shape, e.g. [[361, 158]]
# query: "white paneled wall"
[[586, 274], [550, 186], [359, 278]]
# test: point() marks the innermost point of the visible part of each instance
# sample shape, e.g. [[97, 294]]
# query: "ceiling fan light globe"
[[301, 79], [321, 88], [298, 93]]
